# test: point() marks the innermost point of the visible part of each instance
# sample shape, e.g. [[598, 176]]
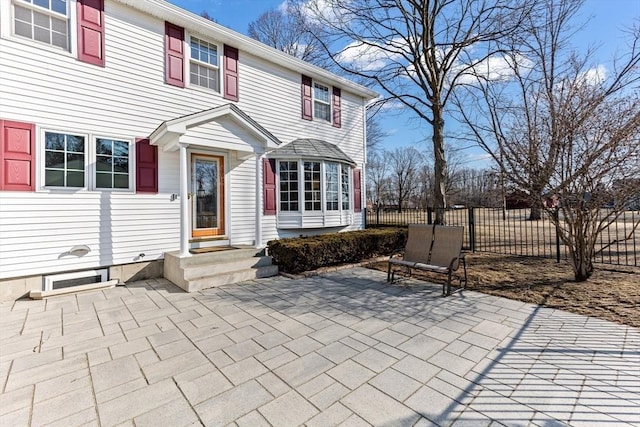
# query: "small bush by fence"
[[512, 233], [299, 254]]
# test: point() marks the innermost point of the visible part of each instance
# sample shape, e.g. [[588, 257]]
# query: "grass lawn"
[[612, 293]]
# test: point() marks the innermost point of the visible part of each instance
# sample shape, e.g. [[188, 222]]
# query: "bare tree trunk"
[[583, 252], [536, 211], [439, 194]]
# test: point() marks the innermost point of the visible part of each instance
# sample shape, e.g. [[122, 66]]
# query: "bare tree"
[[375, 133], [404, 164], [416, 51], [206, 15], [288, 29], [377, 177], [563, 130]]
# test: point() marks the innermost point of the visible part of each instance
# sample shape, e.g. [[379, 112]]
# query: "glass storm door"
[[207, 195]]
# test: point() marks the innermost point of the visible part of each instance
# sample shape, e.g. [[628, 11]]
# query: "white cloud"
[[593, 76], [365, 57], [283, 7], [495, 68]]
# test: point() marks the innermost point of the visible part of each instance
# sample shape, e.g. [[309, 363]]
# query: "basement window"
[[77, 278]]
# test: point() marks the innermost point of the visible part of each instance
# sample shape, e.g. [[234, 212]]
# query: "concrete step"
[[215, 257], [212, 269], [231, 277], [221, 267]]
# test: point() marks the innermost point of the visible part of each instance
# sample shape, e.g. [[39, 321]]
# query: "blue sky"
[[605, 20]]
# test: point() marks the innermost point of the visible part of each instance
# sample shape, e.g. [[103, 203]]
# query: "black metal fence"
[[511, 232]]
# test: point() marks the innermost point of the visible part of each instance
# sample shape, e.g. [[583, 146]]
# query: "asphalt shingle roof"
[[307, 148]]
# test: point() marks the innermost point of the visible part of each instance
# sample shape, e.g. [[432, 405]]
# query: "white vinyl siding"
[[125, 100]]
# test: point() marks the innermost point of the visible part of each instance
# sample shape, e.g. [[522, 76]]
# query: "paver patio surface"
[[343, 348]]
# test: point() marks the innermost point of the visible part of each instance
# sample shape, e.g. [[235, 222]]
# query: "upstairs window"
[[321, 102], [46, 21], [204, 68]]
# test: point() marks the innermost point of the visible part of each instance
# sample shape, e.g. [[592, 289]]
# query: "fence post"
[[429, 215], [557, 220], [472, 230]]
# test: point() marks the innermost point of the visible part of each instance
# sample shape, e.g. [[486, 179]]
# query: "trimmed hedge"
[[295, 255]]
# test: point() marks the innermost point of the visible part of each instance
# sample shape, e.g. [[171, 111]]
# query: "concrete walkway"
[[344, 348]]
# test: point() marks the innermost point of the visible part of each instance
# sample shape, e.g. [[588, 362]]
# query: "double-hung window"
[[46, 21], [321, 102], [84, 161], [288, 186], [112, 163], [64, 160], [331, 186], [344, 180], [204, 68], [312, 188]]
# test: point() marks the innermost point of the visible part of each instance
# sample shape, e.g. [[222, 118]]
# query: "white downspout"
[[184, 201], [259, 197]]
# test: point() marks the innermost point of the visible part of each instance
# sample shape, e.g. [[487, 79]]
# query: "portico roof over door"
[[225, 128], [180, 130]]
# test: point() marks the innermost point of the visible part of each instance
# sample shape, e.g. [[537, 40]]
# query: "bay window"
[[313, 187]]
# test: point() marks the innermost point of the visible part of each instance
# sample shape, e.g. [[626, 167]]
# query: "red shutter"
[[17, 156], [357, 190], [269, 186], [91, 31], [146, 166], [337, 109], [307, 99], [230, 73], [174, 54]]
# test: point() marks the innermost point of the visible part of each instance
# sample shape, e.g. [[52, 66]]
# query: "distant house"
[[133, 128]]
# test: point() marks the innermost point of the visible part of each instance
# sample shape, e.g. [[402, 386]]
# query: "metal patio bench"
[[435, 248]]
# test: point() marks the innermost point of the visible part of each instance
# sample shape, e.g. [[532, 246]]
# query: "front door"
[[207, 195]]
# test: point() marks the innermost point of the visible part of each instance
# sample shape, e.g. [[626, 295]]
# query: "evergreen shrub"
[[298, 254]]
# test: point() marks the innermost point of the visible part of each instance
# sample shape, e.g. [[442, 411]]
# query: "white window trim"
[[189, 59], [7, 28], [314, 100], [89, 161]]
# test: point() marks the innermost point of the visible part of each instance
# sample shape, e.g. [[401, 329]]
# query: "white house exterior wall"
[[129, 99]]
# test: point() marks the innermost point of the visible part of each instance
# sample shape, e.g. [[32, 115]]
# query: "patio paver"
[[343, 348]]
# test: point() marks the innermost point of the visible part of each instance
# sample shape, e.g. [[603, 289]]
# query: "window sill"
[[297, 220]]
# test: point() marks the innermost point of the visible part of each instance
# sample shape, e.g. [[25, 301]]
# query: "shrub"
[[295, 255]]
